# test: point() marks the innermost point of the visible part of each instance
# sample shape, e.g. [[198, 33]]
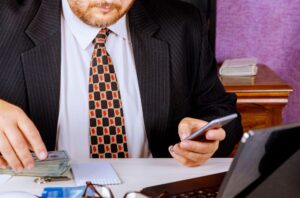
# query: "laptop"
[[267, 164]]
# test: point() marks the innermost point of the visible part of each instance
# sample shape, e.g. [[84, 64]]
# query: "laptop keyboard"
[[201, 187], [203, 193]]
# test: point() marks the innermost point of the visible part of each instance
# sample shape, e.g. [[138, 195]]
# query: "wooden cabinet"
[[261, 98]]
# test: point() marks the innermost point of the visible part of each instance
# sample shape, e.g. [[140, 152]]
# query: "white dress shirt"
[[76, 53]]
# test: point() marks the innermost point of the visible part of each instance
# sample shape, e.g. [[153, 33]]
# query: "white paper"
[[99, 172], [4, 178]]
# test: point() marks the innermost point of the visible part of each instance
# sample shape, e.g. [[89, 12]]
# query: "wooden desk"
[[261, 98]]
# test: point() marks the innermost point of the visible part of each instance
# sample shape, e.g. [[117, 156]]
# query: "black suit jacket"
[[175, 68]]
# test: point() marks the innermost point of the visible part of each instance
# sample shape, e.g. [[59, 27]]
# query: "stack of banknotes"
[[57, 164]]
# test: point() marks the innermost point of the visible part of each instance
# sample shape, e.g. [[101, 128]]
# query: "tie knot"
[[101, 37]]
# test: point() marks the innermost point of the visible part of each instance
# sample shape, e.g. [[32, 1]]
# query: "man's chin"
[[102, 20]]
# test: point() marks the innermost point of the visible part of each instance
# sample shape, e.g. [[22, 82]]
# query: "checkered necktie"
[[107, 129]]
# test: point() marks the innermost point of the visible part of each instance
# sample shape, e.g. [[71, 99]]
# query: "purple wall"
[[268, 30]]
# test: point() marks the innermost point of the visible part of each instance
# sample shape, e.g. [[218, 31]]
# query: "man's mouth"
[[106, 8]]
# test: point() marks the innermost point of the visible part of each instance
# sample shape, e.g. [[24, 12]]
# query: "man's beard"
[[100, 19]]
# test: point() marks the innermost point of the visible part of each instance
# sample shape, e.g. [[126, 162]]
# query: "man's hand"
[[195, 153], [18, 136]]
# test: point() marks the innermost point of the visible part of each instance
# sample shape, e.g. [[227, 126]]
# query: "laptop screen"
[[261, 152]]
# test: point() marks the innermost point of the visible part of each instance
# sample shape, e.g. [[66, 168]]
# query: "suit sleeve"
[[209, 99]]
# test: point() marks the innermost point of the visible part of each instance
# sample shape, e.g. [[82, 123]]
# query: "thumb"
[[188, 125], [184, 129], [184, 135]]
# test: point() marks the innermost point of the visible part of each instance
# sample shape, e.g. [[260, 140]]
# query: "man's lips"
[[105, 8]]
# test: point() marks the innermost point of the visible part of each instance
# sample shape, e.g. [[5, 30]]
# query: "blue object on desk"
[[72, 192]]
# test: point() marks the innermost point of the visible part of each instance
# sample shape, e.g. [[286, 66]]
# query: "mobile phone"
[[214, 124]]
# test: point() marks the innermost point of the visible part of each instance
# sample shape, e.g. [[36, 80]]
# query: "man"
[[64, 64]]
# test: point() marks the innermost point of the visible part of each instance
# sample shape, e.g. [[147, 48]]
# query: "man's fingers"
[[215, 134], [33, 137], [189, 125], [20, 146], [192, 152], [3, 163], [206, 147], [182, 159], [188, 158], [17, 136], [9, 154]]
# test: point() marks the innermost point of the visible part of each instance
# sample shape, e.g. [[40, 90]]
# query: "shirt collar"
[[85, 33]]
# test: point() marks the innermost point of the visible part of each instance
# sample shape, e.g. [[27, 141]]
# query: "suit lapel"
[[152, 65], [41, 66]]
